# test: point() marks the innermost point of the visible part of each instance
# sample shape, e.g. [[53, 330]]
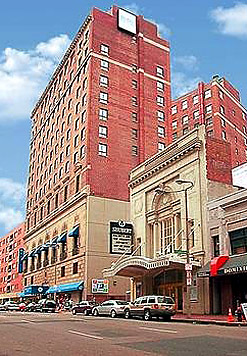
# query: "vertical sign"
[[20, 260], [121, 237], [100, 286]]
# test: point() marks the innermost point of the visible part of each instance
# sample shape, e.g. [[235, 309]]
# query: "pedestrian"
[[239, 313]]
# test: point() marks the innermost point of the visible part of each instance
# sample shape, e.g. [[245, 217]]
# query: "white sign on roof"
[[127, 21], [239, 176]]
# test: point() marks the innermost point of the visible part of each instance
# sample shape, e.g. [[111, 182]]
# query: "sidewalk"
[[207, 319]]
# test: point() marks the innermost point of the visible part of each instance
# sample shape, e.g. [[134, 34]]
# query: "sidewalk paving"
[[207, 319]]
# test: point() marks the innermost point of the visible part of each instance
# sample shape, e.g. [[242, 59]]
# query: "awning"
[[32, 253], [53, 242], [235, 264], [38, 250], [74, 232], [66, 288], [24, 257], [33, 290], [62, 238], [45, 246]]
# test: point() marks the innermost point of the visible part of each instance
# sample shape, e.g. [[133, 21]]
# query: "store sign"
[[20, 261], [237, 269], [127, 21], [121, 237], [100, 286]]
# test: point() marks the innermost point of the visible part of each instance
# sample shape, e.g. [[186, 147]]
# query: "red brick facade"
[[10, 244]]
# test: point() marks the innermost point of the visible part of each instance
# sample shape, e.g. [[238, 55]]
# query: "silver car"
[[111, 308]]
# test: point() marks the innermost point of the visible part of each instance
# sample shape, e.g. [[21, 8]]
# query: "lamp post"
[[188, 266]]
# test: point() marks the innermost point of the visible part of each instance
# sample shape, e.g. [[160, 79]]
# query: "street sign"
[[189, 278], [188, 267]]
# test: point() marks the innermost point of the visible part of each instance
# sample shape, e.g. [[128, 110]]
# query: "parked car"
[[11, 306], [32, 307], [84, 307], [151, 306], [46, 306], [22, 306], [112, 308], [2, 308]]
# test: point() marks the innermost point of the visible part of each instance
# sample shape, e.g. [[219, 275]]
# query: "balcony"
[[75, 251], [63, 255], [45, 263]]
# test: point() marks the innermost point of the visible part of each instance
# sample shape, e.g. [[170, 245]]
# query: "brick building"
[[10, 278], [217, 105], [92, 125]]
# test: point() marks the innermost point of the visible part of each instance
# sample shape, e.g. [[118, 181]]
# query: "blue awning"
[[33, 290], [62, 238], [32, 253], [74, 232], [66, 288], [53, 242], [24, 257], [38, 250], [45, 246]]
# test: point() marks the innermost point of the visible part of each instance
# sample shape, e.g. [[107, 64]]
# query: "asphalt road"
[[63, 334]]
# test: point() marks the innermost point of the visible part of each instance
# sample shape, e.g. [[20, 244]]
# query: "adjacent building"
[[11, 252], [104, 111]]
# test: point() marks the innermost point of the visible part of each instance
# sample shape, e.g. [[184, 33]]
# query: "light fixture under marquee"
[[127, 21]]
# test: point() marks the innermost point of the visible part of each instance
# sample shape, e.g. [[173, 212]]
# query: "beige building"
[[158, 211]]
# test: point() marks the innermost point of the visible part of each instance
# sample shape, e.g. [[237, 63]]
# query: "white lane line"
[[160, 330], [85, 335], [27, 321]]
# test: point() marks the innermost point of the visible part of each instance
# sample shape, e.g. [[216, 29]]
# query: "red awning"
[[216, 263]]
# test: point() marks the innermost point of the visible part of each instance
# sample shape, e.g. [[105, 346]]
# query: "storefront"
[[69, 291], [34, 292]]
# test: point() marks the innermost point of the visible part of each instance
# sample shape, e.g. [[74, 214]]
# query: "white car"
[[10, 305], [111, 308]]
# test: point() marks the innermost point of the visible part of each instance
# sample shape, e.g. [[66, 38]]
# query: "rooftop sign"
[[127, 21]]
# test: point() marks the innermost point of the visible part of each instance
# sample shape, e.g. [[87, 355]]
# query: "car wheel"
[[85, 312], [167, 318], [113, 314], [147, 315], [74, 312], [127, 314], [95, 312]]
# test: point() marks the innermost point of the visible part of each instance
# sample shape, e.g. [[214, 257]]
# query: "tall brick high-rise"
[[104, 111]]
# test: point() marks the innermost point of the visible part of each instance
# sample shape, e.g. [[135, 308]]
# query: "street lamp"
[[188, 265]]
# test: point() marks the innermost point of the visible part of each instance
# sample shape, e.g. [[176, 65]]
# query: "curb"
[[208, 322]]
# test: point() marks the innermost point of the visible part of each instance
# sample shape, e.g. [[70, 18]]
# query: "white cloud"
[[24, 74], [10, 190], [188, 62], [133, 7], [231, 21], [182, 84], [10, 218]]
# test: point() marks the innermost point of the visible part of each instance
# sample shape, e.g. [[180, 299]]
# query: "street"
[[64, 334]]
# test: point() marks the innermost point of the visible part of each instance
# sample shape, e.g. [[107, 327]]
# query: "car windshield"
[[167, 300], [121, 302]]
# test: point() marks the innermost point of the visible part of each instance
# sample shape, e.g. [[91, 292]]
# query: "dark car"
[[84, 307], [32, 307], [46, 306]]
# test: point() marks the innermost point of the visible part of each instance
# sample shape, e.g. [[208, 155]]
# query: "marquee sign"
[[121, 237], [127, 21]]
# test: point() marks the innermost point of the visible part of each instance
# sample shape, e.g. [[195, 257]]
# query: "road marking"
[[160, 330], [27, 321], [85, 335]]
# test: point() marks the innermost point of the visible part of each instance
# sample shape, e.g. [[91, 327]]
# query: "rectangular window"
[[160, 115], [102, 149], [104, 49], [134, 116], [134, 84], [185, 120], [134, 133], [161, 146], [209, 121], [160, 71], [174, 124], [103, 131], [160, 100], [103, 114], [103, 98], [134, 100], [196, 115], [83, 150], [238, 239], [134, 68], [75, 268], [207, 94], [184, 104], [84, 99], [208, 109], [77, 184], [75, 157], [222, 110], [174, 136], [161, 131], [221, 94], [160, 86], [134, 150], [103, 81], [195, 99], [104, 64], [223, 135], [63, 271], [174, 109], [185, 131], [223, 122]]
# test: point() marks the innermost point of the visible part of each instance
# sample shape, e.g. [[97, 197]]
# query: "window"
[[134, 116], [222, 110], [84, 100], [210, 133], [61, 157], [184, 104], [185, 131], [134, 150], [75, 157], [208, 109], [207, 94], [76, 140], [160, 71], [60, 172], [238, 239], [174, 135], [134, 68], [160, 86], [104, 49], [134, 100], [223, 122], [103, 131], [174, 124], [160, 100], [67, 151], [195, 99], [83, 116], [84, 85], [77, 107], [102, 149], [82, 150], [161, 131], [134, 84], [104, 64], [209, 121], [160, 115], [67, 164], [63, 271], [83, 133], [161, 146], [75, 267], [68, 135], [56, 200], [77, 122], [134, 133], [221, 94], [174, 110], [196, 115], [77, 184], [185, 120], [103, 81], [223, 135], [103, 97], [167, 243], [103, 114]]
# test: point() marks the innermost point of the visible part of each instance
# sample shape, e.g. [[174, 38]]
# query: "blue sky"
[[207, 38]]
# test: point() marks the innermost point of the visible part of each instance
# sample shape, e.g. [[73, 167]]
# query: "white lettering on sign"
[[235, 269], [127, 21]]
